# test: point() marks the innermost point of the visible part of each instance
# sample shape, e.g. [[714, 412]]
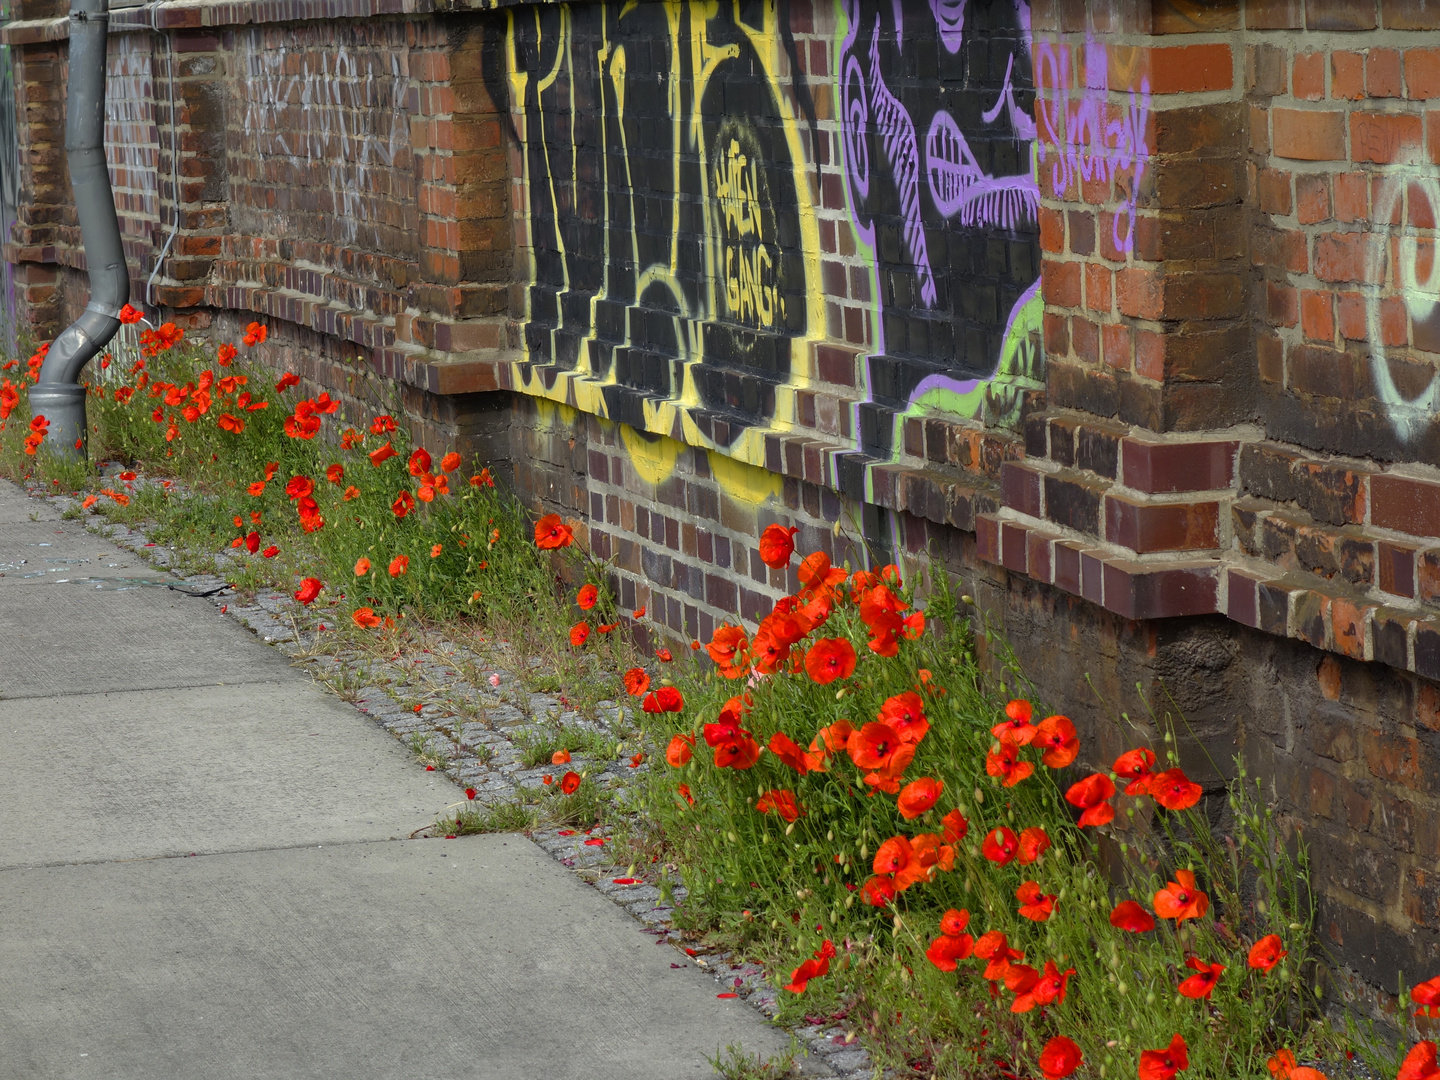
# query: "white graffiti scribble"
[[340, 107], [131, 144], [1075, 136]]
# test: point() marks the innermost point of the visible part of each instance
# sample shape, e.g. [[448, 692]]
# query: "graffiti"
[[131, 142], [1402, 281], [677, 282], [949, 221], [342, 106], [1081, 136]]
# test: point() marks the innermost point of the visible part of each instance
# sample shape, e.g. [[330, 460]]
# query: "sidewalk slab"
[[406, 960], [77, 639], [225, 768], [15, 505], [35, 553]]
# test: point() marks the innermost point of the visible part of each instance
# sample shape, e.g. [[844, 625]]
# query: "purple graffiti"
[[1077, 138], [898, 134], [960, 187], [950, 20]]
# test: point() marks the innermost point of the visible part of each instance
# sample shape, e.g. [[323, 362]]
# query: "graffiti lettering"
[[749, 269]]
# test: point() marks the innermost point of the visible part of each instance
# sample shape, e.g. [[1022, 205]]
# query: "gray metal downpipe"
[[58, 396]]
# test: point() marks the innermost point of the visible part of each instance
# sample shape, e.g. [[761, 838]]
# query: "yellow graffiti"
[[653, 459], [748, 483], [750, 288]]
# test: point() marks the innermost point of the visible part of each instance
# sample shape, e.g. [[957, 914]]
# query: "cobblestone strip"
[[472, 728]]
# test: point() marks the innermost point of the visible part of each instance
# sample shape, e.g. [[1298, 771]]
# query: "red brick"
[[1352, 197], [1397, 568], [1405, 505], [1348, 622], [1282, 304], [1139, 292], [1148, 527], [1422, 73], [1097, 287], [1347, 78], [1057, 334], [1317, 315], [1274, 14], [1052, 231], [1020, 488], [987, 538], [1259, 129], [1273, 188], [1060, 283], [1138, 591], [1340, 14], [1394, 322], [1174, 69], [1118, 347], [1410, 14], [1308, 76], [1384, 138], [1163, 467], [1085, 339], [1312, 198], [1150, 354], [1382, 73], [1344, 257], [1352, 313], [1393, 757], [1013, 546], [1308, 135]]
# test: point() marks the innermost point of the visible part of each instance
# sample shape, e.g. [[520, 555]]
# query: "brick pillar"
[[44, 185], [193, 189], [1123, 496], [458, 305]]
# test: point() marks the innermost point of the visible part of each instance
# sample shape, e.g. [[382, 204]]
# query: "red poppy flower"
[[679, 751], [1000, 846], [470, 793], [738, 753], [1056, 736], [547, 779], [1268, 951], [1091, 795], [552, 533], [252, 542], [403, 504], [362, 566], [875, 746], [878, 890], [400, 564], [777, 544], [1007, 766], [569, 782], [1164, 1064], [560, 757], [129, 315], [1202, 983], [1034, 842], [1420, 1063], [1181, 899], [665, 699], [947, 949], [906, 714], [382, 455], [270, 552], [781, 802], [663, 655], [419, 461], [255, 334], [309, 589], [1034, 905], [816, 573], [992, 946], [636, 681], [1137, 767], [286, 381], [788, 751], [955, 826], [728, 649], [587, 597], [1052, 985], [893, 855], [1015, 729], [365, 618], [579, 633], [684, 790], [351, 492], [1425, 994], [450, 462], [299, 486], [1174, 790], [1060, 1058], [257, 488], [918, 796], [1128, 915], [435, 550], [768, 653], [830, 659], [639, 613]]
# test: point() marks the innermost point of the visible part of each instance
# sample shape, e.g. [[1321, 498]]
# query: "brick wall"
[[1126, 314]]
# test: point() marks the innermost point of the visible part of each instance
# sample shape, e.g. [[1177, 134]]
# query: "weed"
[[503, 817], [739, 1065]]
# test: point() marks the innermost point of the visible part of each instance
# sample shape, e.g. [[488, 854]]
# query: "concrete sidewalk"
[[305, 938]]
